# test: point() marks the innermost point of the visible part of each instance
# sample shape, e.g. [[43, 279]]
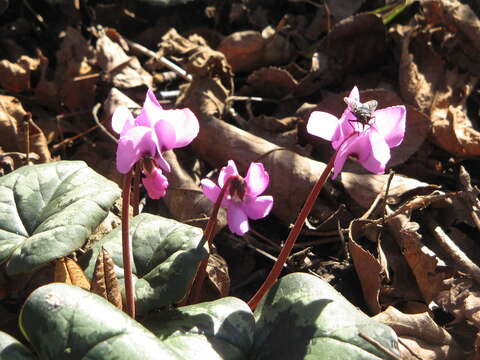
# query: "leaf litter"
[[401, 248]]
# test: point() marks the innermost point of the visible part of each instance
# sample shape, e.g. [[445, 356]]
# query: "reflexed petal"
[[257, 207], [210, 189], [354, 94], [390, 123], [322, 124], [357, 145], [347, 125], [136, 143], [156, 184], [226, 172], [122, 120], [379, 155], [185, 125], [151, 111], [257, 179], [237, 219], [166, 135], [160, 160]]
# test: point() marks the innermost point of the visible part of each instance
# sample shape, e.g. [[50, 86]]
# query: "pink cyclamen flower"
[[362, 131], [148, 135], [242, 199]]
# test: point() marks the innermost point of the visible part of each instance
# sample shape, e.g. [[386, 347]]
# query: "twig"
[[147, 52], [73, 138], [100, 125], [460, 258], [26, 121], [382, 195]]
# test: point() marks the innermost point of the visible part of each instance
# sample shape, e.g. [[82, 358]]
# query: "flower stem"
[[126, 246], [136, 188], [292, 237], [208, 237]]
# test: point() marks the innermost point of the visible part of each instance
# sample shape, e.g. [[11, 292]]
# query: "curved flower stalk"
[[243, 200], [142, 141], [363, 132]]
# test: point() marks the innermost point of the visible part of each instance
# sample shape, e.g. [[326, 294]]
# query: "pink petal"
[[136, 143], [151, 111], [257, 207], [357, 145], [257, 179], [185, 125], [166, 135], [354, 94], [322, 124], [226, 172], [376, 160], [210, 189], [237, 220], [122, 120], [347, 125], [390, 123], [160, 160], [156, 184]]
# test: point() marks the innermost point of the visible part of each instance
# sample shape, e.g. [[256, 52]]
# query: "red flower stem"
[[292, 237], [136, 189], [126, 246], [196, 291]]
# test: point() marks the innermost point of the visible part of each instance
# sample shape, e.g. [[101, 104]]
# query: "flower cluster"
[[361, 131], [242, 200], [147, 136]]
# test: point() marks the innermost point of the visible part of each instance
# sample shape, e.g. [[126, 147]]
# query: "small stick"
[[174, 67], [100, 125], [26, 121]]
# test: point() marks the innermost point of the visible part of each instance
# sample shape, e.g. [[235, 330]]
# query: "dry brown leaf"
[[16, 76], [364, 188], [452, 129], [353, 45], [249, 50], [217, 275], [343, 9], [422, 335], [369, 272], [73, 59], [124, 71], [12, 129], [69, 272], [104, 279], [270, 82]]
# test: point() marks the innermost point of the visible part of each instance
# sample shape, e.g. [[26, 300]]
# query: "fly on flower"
[[362, 111], [371, 144]]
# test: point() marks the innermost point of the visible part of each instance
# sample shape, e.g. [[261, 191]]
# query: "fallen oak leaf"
[[104, 279], [69, 272]]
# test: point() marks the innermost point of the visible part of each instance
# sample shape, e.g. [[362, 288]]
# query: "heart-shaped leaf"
[[12, 349], [66, 322], [49, 210], [303, 317], [216, 330], [166, 255]]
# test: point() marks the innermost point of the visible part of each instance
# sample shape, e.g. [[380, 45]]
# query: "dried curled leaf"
[[16, 76], [217, 272], [104, 280], [69, 272]]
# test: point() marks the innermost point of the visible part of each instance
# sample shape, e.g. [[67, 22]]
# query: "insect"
[[362, 111]]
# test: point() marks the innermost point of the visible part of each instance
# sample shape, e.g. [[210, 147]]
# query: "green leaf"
[[12, 349], [165, 255], [221, 329], [303, 317], [49, 210], [66, 322]]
